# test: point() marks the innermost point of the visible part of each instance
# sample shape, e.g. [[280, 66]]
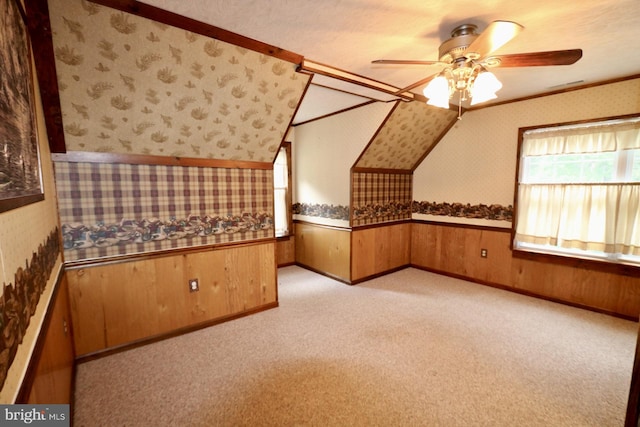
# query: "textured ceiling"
[[349, 34]]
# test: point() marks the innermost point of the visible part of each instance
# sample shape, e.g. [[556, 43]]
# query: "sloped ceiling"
[[140, 87], [409, 132], [320, 101]]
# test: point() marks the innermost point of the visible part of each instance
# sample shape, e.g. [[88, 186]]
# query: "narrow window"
[[282, 194]]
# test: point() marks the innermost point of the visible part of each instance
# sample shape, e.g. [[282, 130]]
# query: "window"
[[282, 195], [579, 190]]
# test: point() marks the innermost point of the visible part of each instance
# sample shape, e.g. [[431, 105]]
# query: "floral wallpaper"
[[82, 236], [374, 212], [321, 210], [118, 209], [19, 300], [131, 85], [409, 132], [460, 210]]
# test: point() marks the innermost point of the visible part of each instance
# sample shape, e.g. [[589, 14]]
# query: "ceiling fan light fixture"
[[466, 56], [478, 99], [438, 92], [487, 82], [485, 87]]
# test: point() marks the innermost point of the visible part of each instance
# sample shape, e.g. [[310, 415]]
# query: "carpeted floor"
[[408, 349]]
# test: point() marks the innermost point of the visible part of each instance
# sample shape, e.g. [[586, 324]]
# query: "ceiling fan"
[[466, 58]]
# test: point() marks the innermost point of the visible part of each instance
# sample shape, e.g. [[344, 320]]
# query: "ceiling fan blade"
[[496, 35], [405, 62], [536, 59]]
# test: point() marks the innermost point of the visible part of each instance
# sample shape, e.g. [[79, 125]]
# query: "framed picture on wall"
[[20, 173]]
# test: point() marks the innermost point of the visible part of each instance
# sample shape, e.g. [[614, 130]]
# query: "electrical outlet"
[[193, 285], [483, 253]]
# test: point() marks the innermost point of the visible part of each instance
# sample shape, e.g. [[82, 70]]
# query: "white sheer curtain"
[[280, 186], [603, 217], [589, 139]]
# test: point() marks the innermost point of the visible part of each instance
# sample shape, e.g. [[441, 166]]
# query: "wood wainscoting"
[[125, 303], [353, 255], [50, 375], [455, 250], [379, 249], [324, 249], [286, 251]]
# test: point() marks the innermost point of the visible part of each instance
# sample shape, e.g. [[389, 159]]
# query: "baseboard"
[[286, 264], [526, 293], [177, 332], [324, 273], [353, 282], [382, 273]]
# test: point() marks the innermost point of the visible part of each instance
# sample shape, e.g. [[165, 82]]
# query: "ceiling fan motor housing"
[[455, 47]]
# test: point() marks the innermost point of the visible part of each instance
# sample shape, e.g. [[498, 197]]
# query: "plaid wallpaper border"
[[118, 209], [380, 197]]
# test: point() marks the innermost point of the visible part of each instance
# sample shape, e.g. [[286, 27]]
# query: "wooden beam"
[[39, 28], [143, 159]]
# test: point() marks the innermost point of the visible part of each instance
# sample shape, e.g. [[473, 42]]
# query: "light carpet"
[[410, 348]]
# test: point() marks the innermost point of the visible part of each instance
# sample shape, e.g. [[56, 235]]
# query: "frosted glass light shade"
[[485, 88], [438, 92]]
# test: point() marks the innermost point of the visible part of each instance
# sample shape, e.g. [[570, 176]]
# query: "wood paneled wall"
[[455, 250], [379, 250], [52, 381], [127, 302], [286, 251], [324, 249], [354, 255]]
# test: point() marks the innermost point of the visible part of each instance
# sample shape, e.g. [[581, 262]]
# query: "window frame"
[[564, 258], [288, 193]]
